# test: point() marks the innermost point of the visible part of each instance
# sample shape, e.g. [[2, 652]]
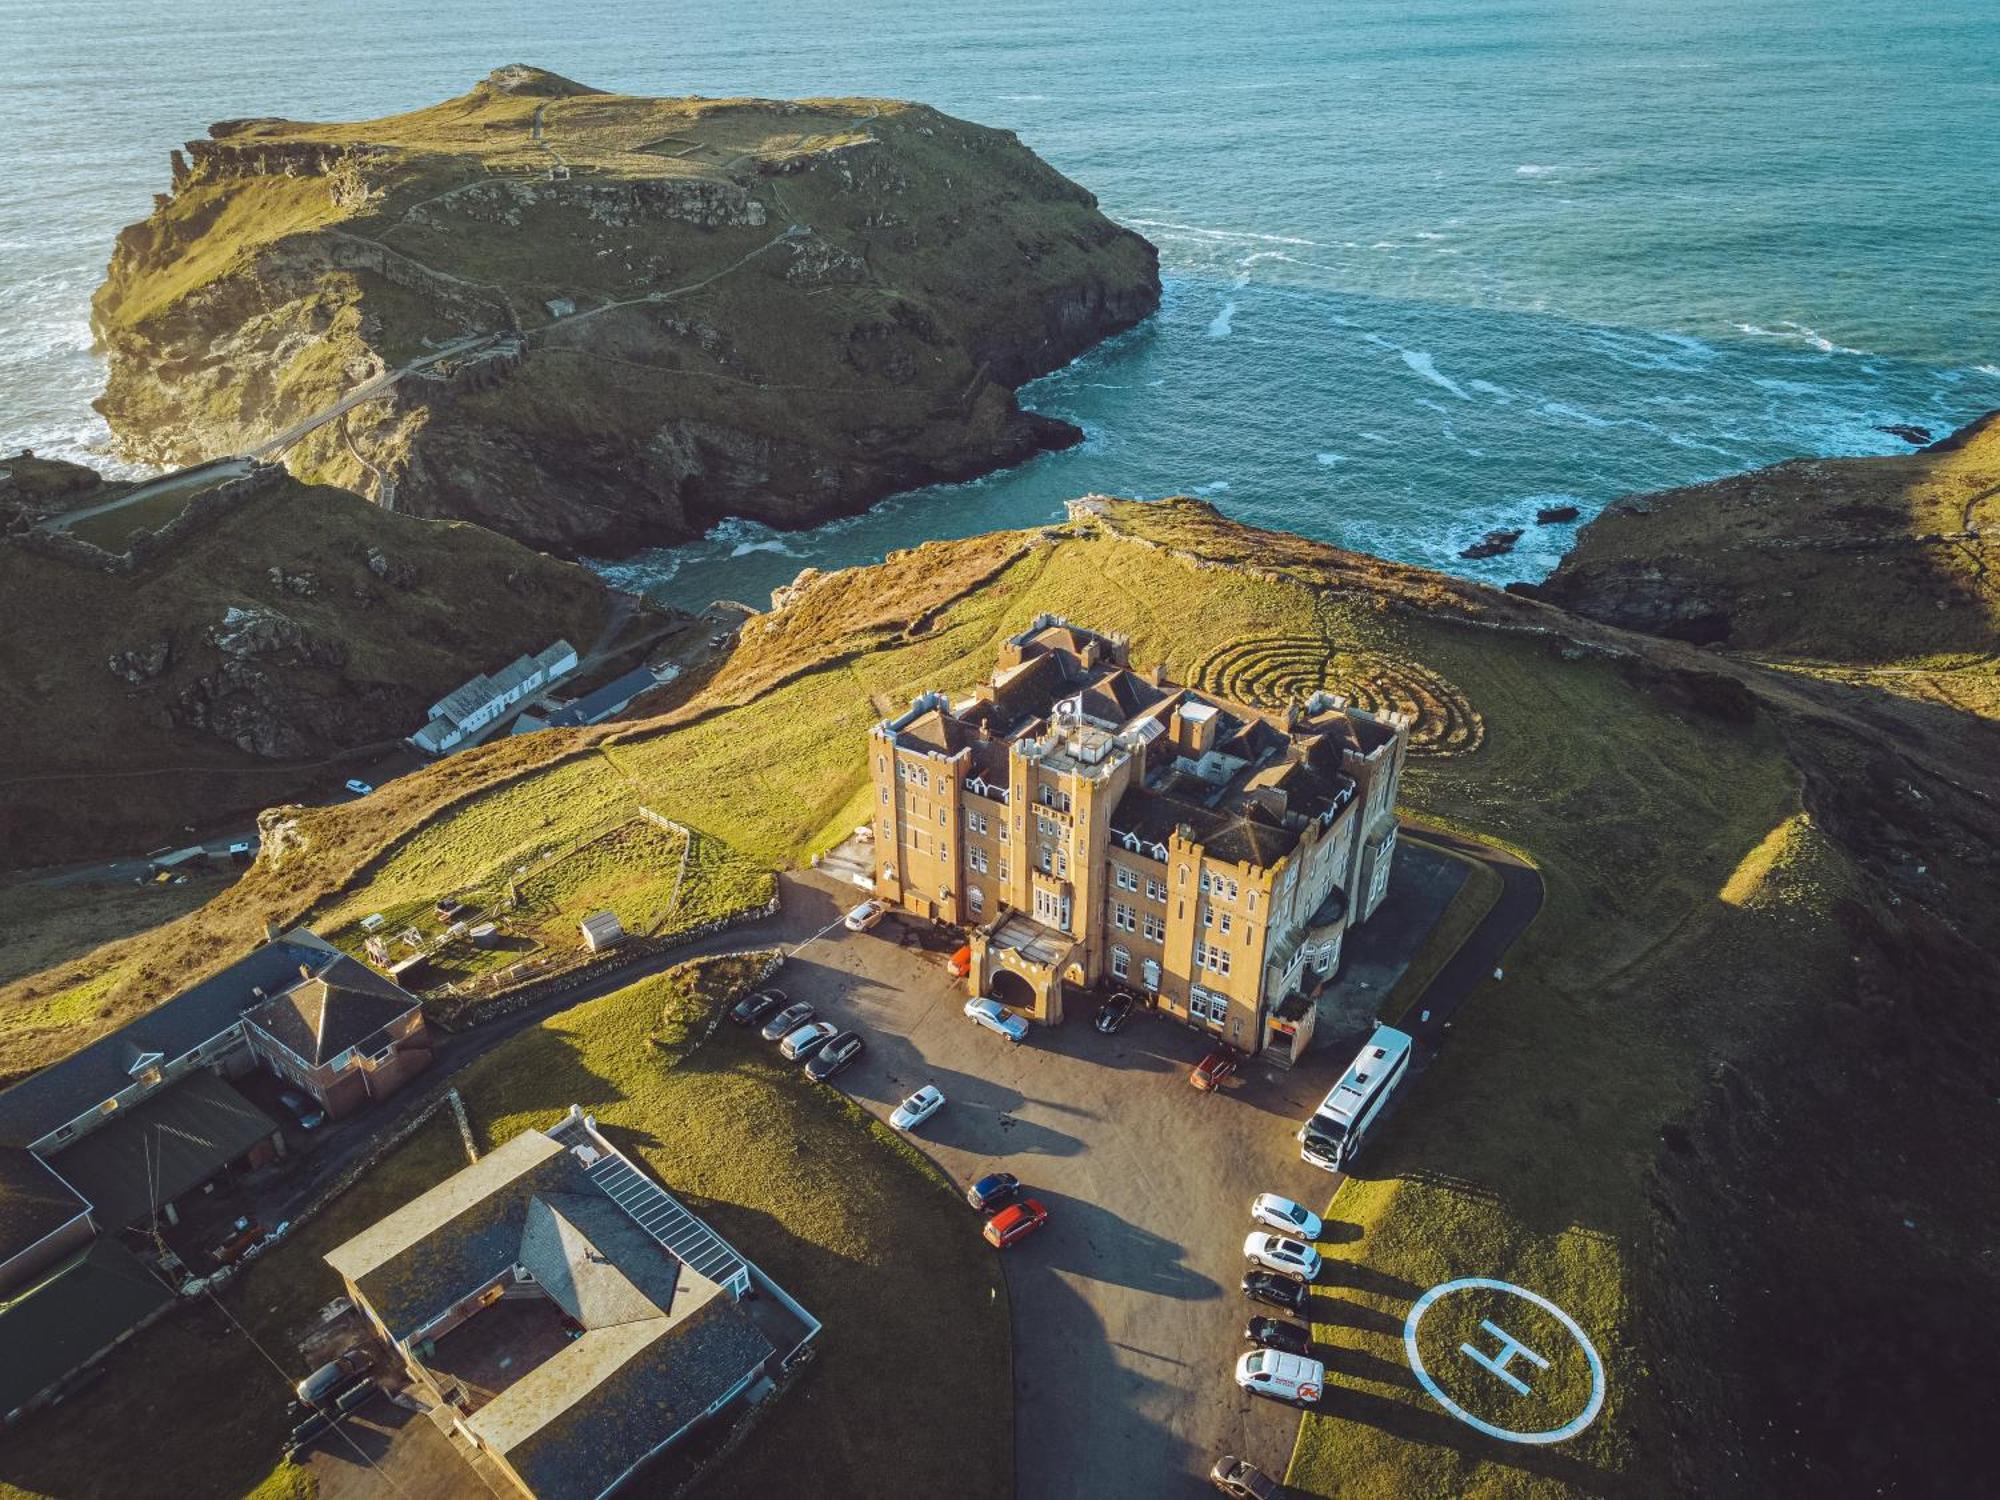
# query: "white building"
[[473, 705]]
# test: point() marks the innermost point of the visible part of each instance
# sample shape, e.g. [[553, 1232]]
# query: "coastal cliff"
[[156, 678], [595, 322], [1845, 560]]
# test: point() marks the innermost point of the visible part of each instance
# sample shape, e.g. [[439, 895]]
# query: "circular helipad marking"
[[1570, 1428]]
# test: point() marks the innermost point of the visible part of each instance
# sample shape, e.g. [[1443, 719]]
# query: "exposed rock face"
[[1858, 560], [659, 312]]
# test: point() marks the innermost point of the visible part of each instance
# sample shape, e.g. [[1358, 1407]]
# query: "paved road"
[[1127, 1317], [1476, 960]]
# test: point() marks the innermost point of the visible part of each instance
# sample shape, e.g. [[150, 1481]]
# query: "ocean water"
[[1429, 264]]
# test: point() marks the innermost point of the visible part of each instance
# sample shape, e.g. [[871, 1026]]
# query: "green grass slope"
[[1742, 1048], [774, 308], [97, 761]]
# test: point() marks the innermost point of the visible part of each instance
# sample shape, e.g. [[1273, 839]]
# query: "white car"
[[1287, 1257], [866, 915], [807, 1040], [1285, 1216], [918, 1108], [359, 787], [1286, 1377], [996, 1017]]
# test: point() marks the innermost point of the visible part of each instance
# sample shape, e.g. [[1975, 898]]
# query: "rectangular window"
[[1155, 928], [1045, 861], [1203, 882], [1225, 922], [977, 821], [1232, 890], [1127, 880], [1253, 901], [976, 857], [885, 796], [1156, 890], [1123, 917], [1121, 963], [1002, 871], [1062, 863], [1207, 915], [1048, 828], [976, 899], [941, 820], [1200, 954], [1221, 956]]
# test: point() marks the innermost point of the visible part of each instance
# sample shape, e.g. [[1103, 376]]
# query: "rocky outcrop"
[[1866, 561], [673, 310]]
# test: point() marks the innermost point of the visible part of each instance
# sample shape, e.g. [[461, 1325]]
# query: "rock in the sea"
[[617, 319], [1495, 543], [1909, 432], [1556, 515]]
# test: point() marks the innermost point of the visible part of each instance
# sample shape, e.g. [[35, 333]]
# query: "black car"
[[756, 1006], [992, 1191], [1115, 1012], [1276, 1333], [787, 1021], [834, 1056], [1279, 1291]]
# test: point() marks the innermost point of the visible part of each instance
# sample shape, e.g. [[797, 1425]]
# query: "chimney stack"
[[1159, 674]]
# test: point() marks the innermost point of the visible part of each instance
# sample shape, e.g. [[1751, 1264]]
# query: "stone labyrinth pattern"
[[1271, 671]]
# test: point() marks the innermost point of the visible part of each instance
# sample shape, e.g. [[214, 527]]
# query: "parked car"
[[1015, 1223], [242, 851], [993, 1190], [1213, 1069], [866, 915], [1284, 1377], [359, 787], [1241, 1478], [918, 1108], [834, 1056], [807, 1040], [960, 963], [755, 1006], [309, 1115], [1276, 1333], [994, 1016], [1285, 1216], [1115, 1012], [1278, 1291], [330, 1376], [1274, 1252], [787, 1021]]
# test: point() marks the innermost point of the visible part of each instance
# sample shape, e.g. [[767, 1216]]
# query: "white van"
[[1283, 1377]]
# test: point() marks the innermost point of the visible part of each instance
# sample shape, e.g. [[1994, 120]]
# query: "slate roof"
[[34, 1202], [635, 1386], [62, 1091], [345, 1006], [466, 1230], [660, 1343], [174, 1141], [72, 1313], [606, 701], [936, 731]]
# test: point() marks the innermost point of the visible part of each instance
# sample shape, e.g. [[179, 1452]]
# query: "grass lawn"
[[1681, 878], [652, 877], [845, 1216]]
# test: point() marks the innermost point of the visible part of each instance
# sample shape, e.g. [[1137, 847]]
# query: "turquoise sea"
[[1428, 265]]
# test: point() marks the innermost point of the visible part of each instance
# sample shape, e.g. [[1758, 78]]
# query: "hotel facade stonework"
[[1099, 827]]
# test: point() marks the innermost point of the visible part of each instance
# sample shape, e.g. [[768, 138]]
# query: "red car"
[[1015, 1222], [1213, 1069]]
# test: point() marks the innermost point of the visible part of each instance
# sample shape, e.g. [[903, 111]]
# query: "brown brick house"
[[1098, 825]]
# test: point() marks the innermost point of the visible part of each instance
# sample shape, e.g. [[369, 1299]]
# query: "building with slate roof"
[[1098, 825], [147, 1114], [576, 1319], [472, 705]]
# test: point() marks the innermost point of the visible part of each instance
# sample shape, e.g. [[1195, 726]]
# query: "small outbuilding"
[[602, 930]]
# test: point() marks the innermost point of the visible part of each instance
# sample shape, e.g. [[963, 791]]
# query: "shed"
[[602, 930]]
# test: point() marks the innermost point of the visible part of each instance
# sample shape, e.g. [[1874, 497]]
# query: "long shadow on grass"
[[1419, 1424]]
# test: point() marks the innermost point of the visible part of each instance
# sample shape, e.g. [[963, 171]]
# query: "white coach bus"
[[1338, 1129]]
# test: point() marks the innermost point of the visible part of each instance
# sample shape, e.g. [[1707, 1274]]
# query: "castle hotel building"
[[1098, 826]]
